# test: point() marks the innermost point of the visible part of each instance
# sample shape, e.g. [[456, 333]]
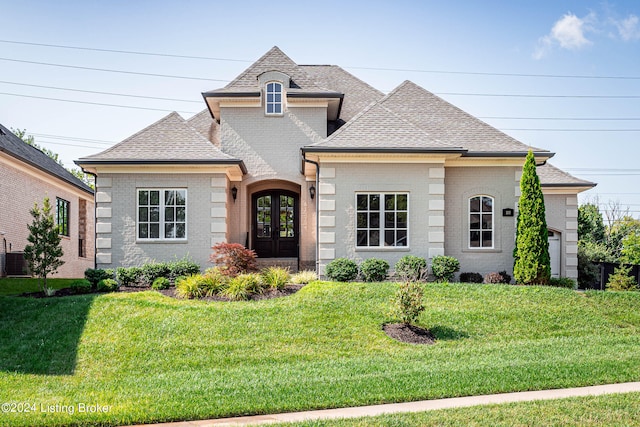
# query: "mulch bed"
[[171, 292], [409, 333]]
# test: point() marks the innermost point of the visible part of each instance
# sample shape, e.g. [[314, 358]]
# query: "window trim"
[[162, 221], [65, 219], [382, 211], [480, 230], [273, 103]]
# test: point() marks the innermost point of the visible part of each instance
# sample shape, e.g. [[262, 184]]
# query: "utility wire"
[[573, 76], [97, 103], [111, 71], [128, 52], [100, 93]]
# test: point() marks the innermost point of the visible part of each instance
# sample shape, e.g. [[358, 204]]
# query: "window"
[[382, 220], [162, 214], [62, 216], [274, 98], [481, 222]]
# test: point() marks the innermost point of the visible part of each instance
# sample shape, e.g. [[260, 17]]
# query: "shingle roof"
[[169, 139], [448, 123], [377, 127], [206, 126], [17, 148], [551, 176], [273, 60], [357, 94]]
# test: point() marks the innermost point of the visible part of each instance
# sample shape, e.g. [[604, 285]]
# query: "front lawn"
[[149, 358], [20, 285]]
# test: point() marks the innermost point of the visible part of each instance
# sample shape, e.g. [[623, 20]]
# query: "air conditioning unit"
[[16, 264]]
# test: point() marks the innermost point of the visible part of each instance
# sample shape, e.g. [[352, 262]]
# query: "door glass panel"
[[286, 217], [263, 216]]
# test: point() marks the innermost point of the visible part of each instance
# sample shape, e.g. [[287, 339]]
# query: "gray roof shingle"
[[169, 139], [551, 176], [17, 148], [448, 123]]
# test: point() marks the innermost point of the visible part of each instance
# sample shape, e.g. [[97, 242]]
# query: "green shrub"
[[407, 305], [151, 272], [190, 287], [129, 276], [96, 275], [80, 286], [241, 287], [304, 277], [183, 267], [374, 270], [411, 268], [342, 270], [107, 285], [506, 278], [161, 283], [275, 277], [213, 282], [621, 279], [444, 267], [471, 278], [562, 282]]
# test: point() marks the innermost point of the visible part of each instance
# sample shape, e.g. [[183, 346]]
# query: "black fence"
[[607, 269]]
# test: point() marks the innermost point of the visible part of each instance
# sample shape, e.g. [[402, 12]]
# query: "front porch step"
[[291, 263]]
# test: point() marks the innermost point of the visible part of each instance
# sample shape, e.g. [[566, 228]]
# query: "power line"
[[112, 71], [97, 103], [516, 95], [100, 93], [128, 52], [589, 119], [477, 73], [71, 138]]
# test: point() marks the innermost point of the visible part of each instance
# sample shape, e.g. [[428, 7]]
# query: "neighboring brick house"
[[27, 176], [305, 164]]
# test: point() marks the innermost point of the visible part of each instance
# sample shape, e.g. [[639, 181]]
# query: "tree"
[[532, 264], [29, 139], [43, 252], [631, 248], [590, 224]]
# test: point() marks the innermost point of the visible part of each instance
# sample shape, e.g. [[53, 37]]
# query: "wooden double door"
[[275, 223]]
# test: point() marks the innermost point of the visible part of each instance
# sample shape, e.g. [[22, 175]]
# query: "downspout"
[[95, 219], [317, 165]]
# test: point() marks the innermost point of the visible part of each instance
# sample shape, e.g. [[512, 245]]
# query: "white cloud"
[[628, 28], [568, 33]]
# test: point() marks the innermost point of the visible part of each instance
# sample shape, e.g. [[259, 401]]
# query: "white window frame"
[[162, 221], [480, 230], [273, 103], [382, 220]]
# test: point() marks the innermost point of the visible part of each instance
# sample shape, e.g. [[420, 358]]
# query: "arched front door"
[[275, 224]]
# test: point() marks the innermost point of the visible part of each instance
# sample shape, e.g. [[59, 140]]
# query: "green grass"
[[153, 358], [609, 410], [20, 285]]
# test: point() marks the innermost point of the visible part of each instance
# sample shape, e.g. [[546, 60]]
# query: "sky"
[[559, 75]]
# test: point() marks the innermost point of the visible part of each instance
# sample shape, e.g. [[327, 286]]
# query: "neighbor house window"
[[162, 214], [481, 222], [62, 216], [274, 98], [382, 220]]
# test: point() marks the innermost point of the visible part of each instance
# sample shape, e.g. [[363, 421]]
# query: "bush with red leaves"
[[233, 258]]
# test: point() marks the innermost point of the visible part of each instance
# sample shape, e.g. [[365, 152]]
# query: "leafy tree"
[[43, 252], [29, 139], [531, 253], [631, 248], [590, 224], [618, 231]]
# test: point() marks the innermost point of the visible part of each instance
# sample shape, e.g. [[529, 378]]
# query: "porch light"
[[312, 192], [234, 193]]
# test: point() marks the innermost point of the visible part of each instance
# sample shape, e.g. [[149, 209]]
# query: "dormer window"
[[274, 98]]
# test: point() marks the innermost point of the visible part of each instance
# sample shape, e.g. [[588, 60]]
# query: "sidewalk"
[[424, 405]]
